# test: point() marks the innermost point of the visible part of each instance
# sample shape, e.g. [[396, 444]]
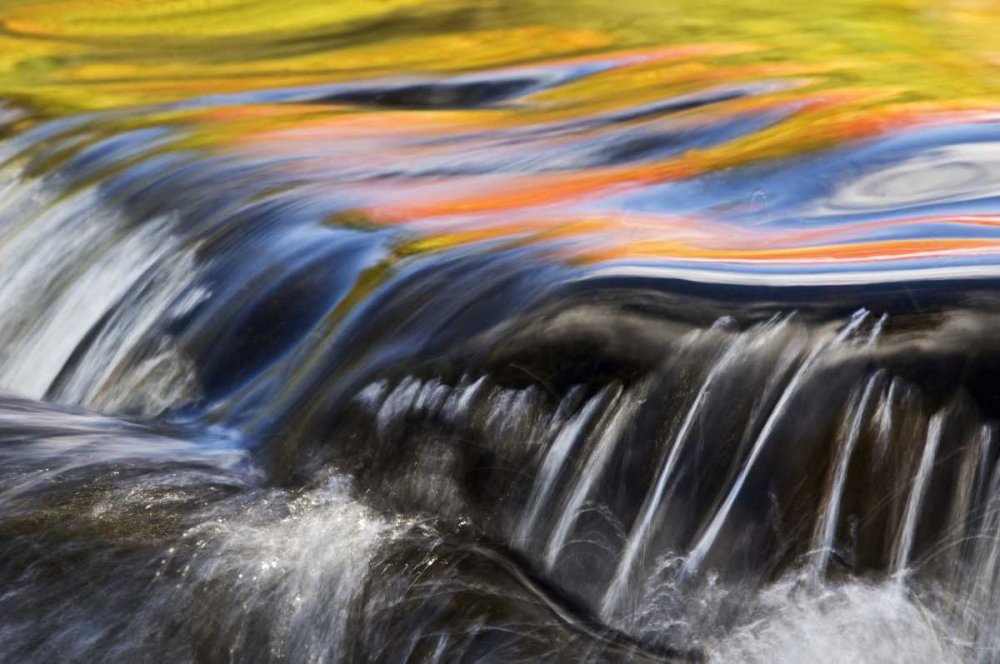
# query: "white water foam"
[[846, 624]]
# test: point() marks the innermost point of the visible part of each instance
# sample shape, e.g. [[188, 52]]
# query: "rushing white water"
[[304, 567], [112, 376], [849, 623], [300, 557], [72, 265]]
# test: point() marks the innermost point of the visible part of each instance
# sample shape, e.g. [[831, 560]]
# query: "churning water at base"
[[674, 352]]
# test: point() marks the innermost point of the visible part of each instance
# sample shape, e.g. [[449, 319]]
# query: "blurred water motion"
[[461, 331]]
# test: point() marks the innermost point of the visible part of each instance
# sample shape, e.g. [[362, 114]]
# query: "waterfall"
[[409, 331], [637, 537]]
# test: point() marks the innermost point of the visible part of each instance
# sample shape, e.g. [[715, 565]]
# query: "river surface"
[[499, 331]]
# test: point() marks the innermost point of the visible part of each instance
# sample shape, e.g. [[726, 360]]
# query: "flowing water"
[[499, 331]]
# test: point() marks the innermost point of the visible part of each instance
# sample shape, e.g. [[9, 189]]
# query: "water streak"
[[560, 448], [908, 529], [826, 527]]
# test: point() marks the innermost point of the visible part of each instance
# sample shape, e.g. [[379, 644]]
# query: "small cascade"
[[555, 461], [623, 409], [637, 538], [707, 539], [548, 453]]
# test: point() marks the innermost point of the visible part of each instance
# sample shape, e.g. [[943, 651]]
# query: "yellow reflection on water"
[[86, 54]]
